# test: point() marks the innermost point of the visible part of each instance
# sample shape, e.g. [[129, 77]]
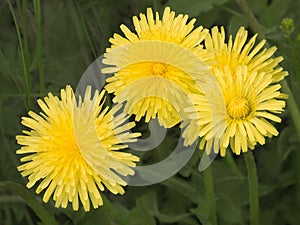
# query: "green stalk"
[[39, 46], [292, 105], [253, 23], [297, 158], [22, 8], [210, 195], [182, 187], [232, 164], [7, 70], [253, 188], [84, 27], [23, 60], [40, 211]]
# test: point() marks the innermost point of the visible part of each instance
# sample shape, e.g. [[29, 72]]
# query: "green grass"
[[45, 45]]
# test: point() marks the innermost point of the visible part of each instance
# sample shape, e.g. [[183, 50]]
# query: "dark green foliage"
[[73, 34]]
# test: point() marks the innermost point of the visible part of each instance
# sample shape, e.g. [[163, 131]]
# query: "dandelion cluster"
[[226, 93], [237, 113], [248, 77]]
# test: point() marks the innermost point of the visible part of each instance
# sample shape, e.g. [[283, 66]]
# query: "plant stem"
[[182, 187], [253, 23], [294, 111], [210, 194], [297, 158], [293, 107], [85, 29], [232, 164], [40, 211], [253, 188], [39, 46], [23, 60]]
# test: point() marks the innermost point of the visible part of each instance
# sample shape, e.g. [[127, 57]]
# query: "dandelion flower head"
[[72, 150], [153, 67], [248, 77]]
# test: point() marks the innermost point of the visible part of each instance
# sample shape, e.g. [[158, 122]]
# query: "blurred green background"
[[45, 45]]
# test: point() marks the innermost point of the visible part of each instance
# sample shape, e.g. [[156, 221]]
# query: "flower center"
[[159, 69], [238, 108]]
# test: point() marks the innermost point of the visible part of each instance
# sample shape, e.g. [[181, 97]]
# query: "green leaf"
[[285, 146], [184, 6], [202, 212], [235, 23], [229, 211], [194, 7], [109, 213], [9, 120], [279, 8], [181, 187], [220, 2], [140, 216], [19, 212], [149, 202], [40, 211]]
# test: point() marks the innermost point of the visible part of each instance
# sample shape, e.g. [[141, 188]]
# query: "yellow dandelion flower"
[[72, 150], [240, 52], [154, 67], [248, 79]]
